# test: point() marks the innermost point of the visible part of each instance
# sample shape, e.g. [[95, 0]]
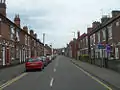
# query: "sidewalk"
[[106, 75], [11, 72]]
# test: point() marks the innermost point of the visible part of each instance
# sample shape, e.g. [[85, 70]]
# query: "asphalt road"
[[61, 74]]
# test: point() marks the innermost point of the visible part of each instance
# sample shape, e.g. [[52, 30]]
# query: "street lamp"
[[44, 43]]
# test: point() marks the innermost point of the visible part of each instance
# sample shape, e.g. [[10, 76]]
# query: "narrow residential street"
[[61, 74]]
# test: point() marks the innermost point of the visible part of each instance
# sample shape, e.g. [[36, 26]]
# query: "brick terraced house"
[[101, 42], [16, 43]]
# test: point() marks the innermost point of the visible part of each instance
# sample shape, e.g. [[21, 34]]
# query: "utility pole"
[[74, 34], [44, 44]]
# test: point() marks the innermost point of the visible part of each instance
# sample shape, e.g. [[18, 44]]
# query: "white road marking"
[[54, 70], [12, 81], [51, 82], [94, 78], [56, 64]]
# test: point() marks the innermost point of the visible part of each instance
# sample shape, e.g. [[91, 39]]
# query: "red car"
[[34, 63]]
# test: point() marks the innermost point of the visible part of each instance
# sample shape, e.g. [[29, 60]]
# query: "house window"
[[93, 38], [28, 40], [110, 32], [25, 39], [98, 36], [117, 23], [17, 52], [12, 33], [104, 34], [17, 35]]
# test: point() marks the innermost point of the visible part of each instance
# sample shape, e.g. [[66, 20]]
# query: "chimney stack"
[[31, 32], [3, 7], [104, 19], [115, 13], [89, 29], [95, 24], [17, 20], [35, 35], [25, 28], [78, 34]]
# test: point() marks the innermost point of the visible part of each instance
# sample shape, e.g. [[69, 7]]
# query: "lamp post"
[[44, 44]]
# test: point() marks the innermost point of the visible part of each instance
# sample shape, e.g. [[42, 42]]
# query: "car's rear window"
[[32, 60]]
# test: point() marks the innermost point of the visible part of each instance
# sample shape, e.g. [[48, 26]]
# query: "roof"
[[6, 20], [83, 35], [104, 24]]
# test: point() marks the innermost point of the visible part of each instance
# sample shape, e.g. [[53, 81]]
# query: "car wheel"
[[43, 67], [26, 70]]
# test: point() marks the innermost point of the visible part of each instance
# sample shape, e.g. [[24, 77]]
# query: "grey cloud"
[[59, 18]]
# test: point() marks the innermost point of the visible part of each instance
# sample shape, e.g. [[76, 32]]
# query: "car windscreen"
[[43, 58], [32, 60]]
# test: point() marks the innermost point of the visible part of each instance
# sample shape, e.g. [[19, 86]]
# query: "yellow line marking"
[[94, 78], [12, 81]]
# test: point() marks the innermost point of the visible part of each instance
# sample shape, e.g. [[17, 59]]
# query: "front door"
[[7, 55]]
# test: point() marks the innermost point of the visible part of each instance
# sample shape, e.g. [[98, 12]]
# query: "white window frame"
[[109, 32], [90, 40], [25, 39], [98, 33], [94, 38], [12, 32], [104, 34], [117, 23], [17, 35]]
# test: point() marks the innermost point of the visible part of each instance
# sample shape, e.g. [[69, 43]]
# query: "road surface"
[[61, 74]]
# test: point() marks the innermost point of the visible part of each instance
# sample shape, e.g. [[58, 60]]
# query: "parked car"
[[34, 64], [49, 57], [43, 59]]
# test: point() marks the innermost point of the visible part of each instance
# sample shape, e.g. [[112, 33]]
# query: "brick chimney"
[[3, 7], [35, 35], [104, 19], [78, 34], [17, 20], [115, 13], [95, 24], [31, 32], [89, 29], [25, 28]]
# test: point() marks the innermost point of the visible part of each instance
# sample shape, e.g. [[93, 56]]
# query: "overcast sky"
[[59, 18]]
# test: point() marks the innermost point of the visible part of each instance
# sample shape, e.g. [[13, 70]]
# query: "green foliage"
[[84, 57]]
